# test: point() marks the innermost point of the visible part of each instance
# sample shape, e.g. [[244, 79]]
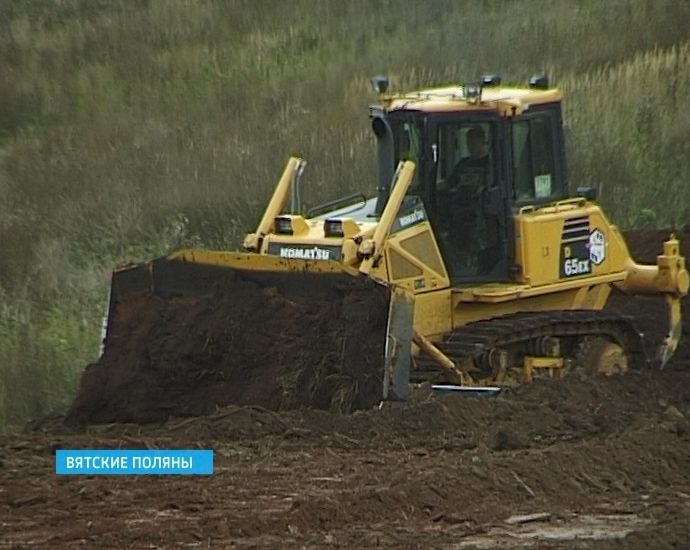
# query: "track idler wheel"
[[601, 356]]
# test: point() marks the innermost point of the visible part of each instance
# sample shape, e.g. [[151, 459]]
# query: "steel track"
[[520, 334]]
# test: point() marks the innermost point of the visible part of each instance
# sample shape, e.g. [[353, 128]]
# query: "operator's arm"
[[451, 181]]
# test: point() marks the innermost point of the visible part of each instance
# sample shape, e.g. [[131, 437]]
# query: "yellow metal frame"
[[508, 101], [430, 277], [257, 262], [552, 365]]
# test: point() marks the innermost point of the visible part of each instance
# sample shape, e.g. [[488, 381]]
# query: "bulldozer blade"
[[183, 337]]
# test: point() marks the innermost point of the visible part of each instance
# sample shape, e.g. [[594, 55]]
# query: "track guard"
[[398, 357]]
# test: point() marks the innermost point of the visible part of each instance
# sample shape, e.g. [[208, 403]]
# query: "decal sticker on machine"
[[542, 186], [411, 213], [304, 252], [412, 218], [579, 255], [575, 259], [597, 247]]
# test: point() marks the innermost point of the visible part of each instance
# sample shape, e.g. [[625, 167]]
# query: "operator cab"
[[481, 154]]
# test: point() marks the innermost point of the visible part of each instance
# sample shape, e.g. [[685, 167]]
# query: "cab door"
[[468, 191]]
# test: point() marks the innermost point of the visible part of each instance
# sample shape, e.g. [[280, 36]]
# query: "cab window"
[[536, 175], [407, 139]]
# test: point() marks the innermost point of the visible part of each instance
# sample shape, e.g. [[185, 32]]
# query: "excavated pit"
[[249, 344]]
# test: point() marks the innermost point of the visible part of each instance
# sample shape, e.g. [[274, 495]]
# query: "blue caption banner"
[[133, 462]]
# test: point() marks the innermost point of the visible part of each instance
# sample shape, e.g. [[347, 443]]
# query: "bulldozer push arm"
[[371, 249], [275, 206]]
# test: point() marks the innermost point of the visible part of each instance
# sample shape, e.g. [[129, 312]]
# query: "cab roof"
[[507, 100]]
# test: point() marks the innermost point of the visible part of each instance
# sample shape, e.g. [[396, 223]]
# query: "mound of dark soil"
[[245, 344], [646, 244]]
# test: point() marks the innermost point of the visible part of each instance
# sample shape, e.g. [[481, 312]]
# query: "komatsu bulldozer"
[[495, 273]]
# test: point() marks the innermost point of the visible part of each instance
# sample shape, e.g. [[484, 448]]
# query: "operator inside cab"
[[472, 169]]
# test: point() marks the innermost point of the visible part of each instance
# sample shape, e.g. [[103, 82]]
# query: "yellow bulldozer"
[[495, 274]]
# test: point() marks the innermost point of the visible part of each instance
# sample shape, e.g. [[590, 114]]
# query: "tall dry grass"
[[630, 136]]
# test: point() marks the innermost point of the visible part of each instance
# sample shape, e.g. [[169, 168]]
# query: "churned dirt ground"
[[580, 463]]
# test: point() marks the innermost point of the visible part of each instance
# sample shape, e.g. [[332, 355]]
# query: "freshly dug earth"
[[581, 463], [244, 344], [597, 462]]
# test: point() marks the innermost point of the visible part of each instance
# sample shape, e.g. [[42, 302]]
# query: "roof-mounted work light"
[[489, 80], [472, 93], [380, 84], [283, 225], [539, 81]]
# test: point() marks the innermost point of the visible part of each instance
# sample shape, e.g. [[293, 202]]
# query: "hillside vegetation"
[[130, 128]]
